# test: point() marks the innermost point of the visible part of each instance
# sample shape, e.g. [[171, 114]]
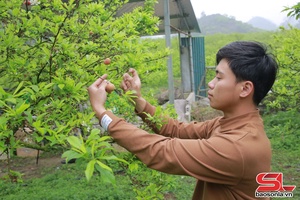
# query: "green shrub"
[[283, 129]]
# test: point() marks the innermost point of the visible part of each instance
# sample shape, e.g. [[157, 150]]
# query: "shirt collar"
[[240, 121]]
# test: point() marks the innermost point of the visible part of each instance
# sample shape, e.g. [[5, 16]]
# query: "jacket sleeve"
[[175, 129], [213, 160]]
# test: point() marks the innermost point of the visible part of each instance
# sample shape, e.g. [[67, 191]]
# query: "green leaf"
[[2, 103], [38, 126], [94, 135], [104, 166], [39, 138], [74, 142], [3, 121], [70, 154], [133, 166], [11, 100], [95, 131], [18, 88], [22, 108], [61, 86], [77, 143], [90, 169], [103, 138], [114, 158], [106, 176], [35, 88]]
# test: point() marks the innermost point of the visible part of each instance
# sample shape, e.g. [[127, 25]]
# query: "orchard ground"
[[28, 166]]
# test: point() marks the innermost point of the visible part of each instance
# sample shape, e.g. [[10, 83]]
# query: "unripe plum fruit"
[[107, 61], [109, 87]]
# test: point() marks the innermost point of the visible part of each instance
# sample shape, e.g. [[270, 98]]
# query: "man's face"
[[223, 90]]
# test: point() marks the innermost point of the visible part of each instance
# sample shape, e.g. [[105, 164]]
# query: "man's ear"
[[247, 89]]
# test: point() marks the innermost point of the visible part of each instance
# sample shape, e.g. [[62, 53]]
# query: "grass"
[[68, 182], [288, 163], [64, 184], [283, 129]]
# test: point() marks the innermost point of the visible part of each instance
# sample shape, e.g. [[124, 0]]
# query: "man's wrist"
[[140, 104], [105, 121], [100, 112]]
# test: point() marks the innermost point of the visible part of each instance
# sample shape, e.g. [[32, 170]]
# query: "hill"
[[262, 23], [217, 23], [290, 21]]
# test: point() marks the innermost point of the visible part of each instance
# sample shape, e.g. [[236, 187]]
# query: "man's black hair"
[[250, 61]]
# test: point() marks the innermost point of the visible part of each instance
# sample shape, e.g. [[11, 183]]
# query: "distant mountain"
[[262, 23], [217, 23], [290, 21]]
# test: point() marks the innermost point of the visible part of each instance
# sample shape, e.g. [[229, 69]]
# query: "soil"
[[28, 166]]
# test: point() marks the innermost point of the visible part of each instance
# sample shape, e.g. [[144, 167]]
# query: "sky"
[[244, 10]]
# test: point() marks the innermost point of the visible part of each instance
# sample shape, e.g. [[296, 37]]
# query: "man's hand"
[[98, 95], [131, 82]]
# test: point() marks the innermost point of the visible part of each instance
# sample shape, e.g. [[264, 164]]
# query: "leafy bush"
[[285, 94], [51, 51], [283, 129]]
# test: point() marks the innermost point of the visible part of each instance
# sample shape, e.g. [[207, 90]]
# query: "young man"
[[224, 154]]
